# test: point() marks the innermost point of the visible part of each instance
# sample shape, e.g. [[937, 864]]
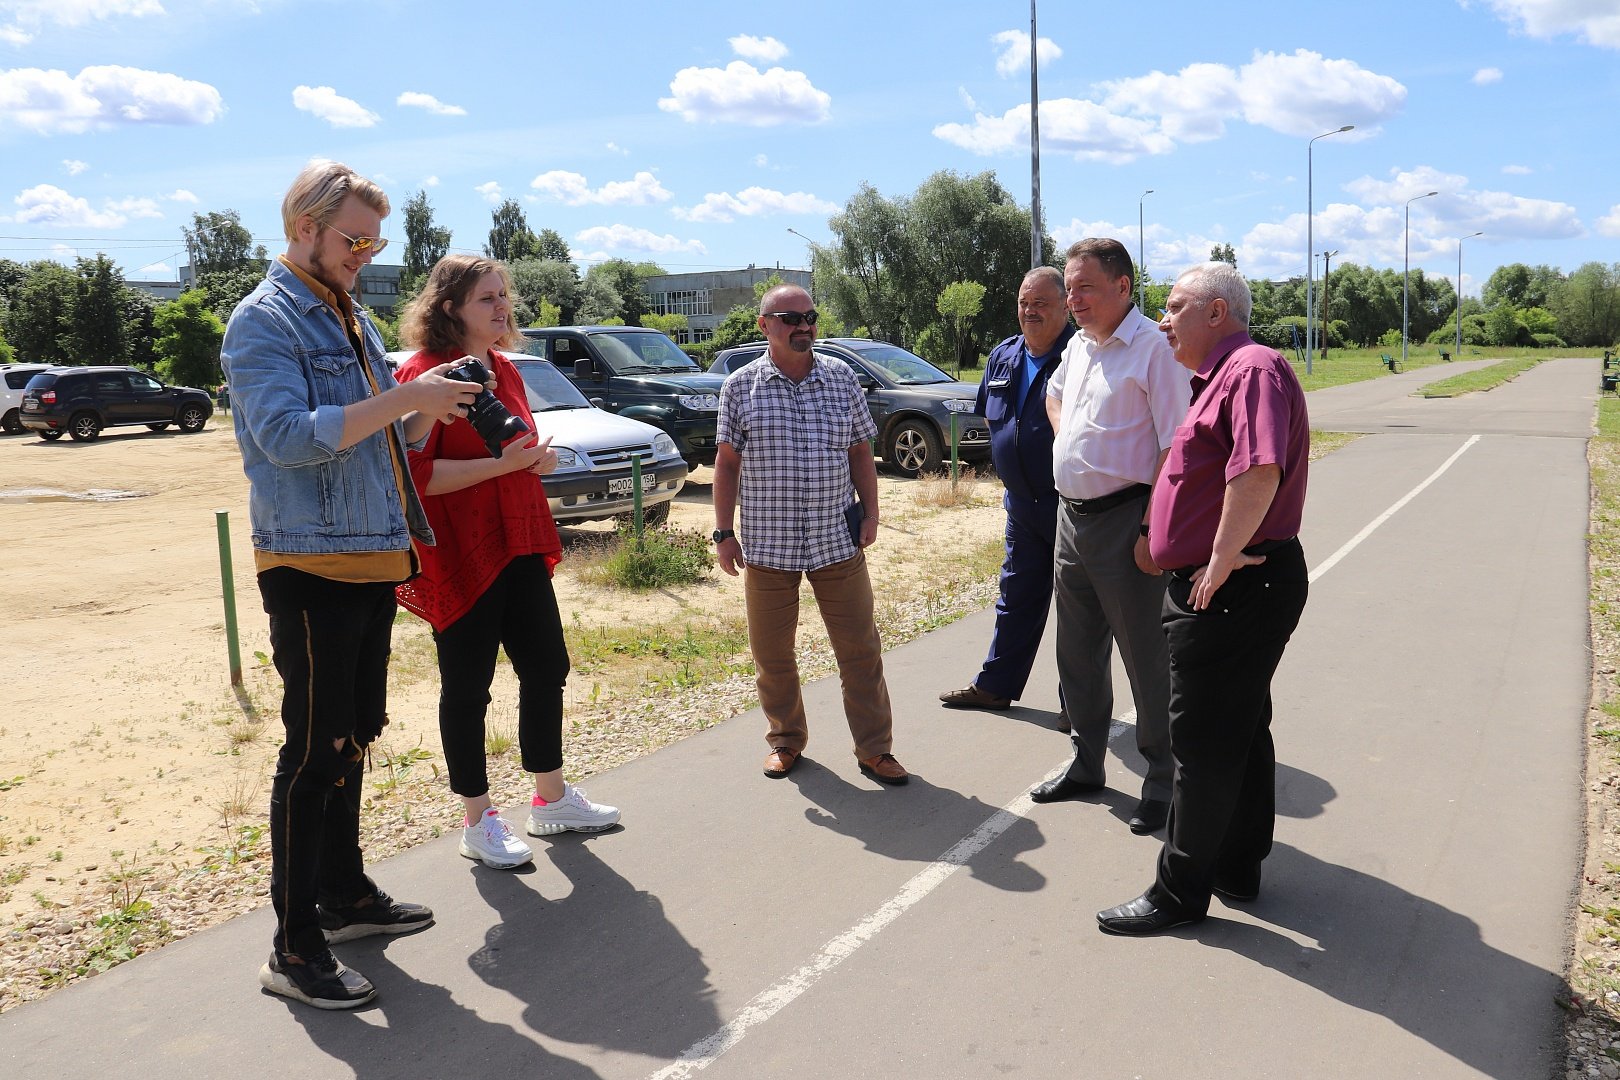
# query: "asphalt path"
[[1412, 922]]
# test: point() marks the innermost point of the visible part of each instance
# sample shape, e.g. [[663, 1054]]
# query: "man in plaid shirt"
[[795, 458]]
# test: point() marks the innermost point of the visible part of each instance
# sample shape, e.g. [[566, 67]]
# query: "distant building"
[[707, 297], [378, 287]]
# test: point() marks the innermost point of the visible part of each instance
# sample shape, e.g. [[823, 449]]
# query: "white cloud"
[[625, 238], [29, 16], [1609, 224], [1192, 105], [754, 202], [181, 195], [1457, 207], [762, 161], [74, 167], [134, 207], [46, 204], [154, 272], [1012, 52], [430, 181], [490, 190], [1303, 94], [967, 99], [572, 189], [1068, 125], [413, 100], [327, 104], [615, 148], [1517, 170], [766, 49], [1487, 75], [54, 102], [740, 93], [1595, 22]]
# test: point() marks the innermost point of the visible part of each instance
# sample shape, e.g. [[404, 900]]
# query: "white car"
[[13, 377], [593, 480]]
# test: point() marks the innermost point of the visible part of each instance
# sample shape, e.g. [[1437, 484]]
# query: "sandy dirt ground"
[[122, 742]]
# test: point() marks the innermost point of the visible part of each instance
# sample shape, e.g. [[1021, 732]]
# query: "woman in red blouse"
[[486, 585]]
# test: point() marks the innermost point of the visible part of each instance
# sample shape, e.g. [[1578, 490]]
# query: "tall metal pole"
[[1141, 247], [1470, 236], [1406, 270], [1327, 272], [1035, 230], [1310, 247]]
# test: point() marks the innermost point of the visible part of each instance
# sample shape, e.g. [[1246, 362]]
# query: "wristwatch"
[[721, 534]]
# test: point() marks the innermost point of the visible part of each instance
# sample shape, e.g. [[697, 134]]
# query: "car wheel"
[[50, 436], [913, 448], [192, 419], [159, 427], [84, 427], [11, 424]]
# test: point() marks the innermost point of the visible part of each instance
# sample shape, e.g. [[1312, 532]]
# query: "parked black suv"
[[80, 401], [640, 373]]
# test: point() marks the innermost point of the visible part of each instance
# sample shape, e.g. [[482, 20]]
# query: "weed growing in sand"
[[938, 490], [243, 844], [397, 766], [14, 782], [499, 739], [663, 656], [662, 557]]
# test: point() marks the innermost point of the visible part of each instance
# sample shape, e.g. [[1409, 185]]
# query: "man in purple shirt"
[[1224, 521]]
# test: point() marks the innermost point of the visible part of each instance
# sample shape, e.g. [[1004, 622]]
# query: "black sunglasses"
[[794, 318]]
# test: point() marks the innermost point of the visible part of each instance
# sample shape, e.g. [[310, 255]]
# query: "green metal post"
[[227, 583], [635, 486]]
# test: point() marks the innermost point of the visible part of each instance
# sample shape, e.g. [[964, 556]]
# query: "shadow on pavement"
[[601, 966], [918, 823], [418, 1029], [1390, 952]]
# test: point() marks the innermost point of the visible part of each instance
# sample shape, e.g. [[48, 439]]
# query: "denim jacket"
[[291, 371]]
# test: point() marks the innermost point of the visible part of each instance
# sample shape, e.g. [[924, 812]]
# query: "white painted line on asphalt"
[[766, 1004], [1350, 545]]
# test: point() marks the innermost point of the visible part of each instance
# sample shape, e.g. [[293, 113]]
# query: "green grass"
[[667, 655], [663, 557], [1480, 379]]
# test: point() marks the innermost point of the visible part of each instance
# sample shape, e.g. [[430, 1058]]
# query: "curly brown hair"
[[425, 324]]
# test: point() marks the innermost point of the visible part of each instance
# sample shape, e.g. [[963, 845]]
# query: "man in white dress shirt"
[[1115, 403]]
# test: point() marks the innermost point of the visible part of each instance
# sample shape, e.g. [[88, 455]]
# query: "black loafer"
[[1142, 916], [1062, 788], [1150, 816]]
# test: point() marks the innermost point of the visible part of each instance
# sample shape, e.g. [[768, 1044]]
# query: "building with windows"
[[707, 297], [377, 289]]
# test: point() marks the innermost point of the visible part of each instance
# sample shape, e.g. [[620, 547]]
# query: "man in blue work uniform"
[[1012, 398]]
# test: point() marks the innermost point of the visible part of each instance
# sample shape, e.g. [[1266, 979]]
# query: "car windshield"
[[901, 366], [548, 390], [644, 353]]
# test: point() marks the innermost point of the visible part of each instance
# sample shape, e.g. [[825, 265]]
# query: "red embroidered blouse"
[[479, 528]]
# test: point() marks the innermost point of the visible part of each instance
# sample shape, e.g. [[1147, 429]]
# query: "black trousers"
[[331, 642], [517, 612], [1223, 809], [1024, 599]]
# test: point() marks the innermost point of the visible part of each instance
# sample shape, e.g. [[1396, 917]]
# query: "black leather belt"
[[1109, 501], [1264, 547]]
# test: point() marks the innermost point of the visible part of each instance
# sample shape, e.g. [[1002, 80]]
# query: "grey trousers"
[[1102, 598]]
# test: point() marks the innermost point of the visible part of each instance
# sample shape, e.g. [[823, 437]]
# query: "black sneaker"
[[381, 914], [321, 981]]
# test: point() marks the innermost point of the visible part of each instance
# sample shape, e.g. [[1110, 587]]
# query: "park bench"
[[1390, 362], [1611, 380]]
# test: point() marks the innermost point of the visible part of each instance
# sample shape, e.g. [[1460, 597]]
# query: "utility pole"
[[1036, 258]]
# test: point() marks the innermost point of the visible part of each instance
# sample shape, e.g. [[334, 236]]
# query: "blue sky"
[[698, 134]]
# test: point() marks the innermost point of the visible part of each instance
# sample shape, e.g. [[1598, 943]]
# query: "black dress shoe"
[[1142, 916], [1236, 888], [1062, 788], [1150, 816]]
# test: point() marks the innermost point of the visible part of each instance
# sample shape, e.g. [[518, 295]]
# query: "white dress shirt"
[[1122, 398]]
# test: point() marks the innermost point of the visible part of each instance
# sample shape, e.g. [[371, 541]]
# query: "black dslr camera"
[[494, 423]]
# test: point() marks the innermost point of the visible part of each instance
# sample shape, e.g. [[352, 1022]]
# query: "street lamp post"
[[1406, 269], [1470, 236], [1327, 271], [1141, 246], [1036, 257], [1310, 246], [811, 244]]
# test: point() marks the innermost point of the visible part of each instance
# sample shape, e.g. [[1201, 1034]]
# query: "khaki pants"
[[844, 594]]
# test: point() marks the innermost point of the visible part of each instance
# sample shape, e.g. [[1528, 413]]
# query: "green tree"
[[598, 301], [1502, 326], [509, 235], [98, 332], [668, 324], [626, 279], [7, 353], [425, 242], [138, 308], [546, 314], [1588, 306], [217, 240], [548, 281], [959, 304], [553, 246], [1223, 253], [189, 337], [39, 317]]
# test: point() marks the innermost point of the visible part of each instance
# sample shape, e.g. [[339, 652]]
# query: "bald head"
[[792, 296]]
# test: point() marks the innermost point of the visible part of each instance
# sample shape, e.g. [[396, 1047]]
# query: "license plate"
[[621, 486]]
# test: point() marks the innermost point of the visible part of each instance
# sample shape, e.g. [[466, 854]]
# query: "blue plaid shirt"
[[794, 441]]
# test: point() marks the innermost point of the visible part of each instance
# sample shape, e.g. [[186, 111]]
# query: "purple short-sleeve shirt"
[[1248, 409]]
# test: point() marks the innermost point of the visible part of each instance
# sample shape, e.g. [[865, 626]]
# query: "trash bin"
[[1446, 356]]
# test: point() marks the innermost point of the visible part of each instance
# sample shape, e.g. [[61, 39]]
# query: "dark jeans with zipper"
[[330, 640]]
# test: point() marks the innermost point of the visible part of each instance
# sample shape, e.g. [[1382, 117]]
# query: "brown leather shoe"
[[884, 769], [780, 761], [971, 697]]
